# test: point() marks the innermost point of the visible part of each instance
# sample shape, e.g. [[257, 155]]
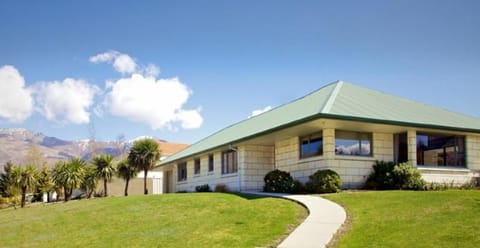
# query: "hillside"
[[22, 146], [170, 220]]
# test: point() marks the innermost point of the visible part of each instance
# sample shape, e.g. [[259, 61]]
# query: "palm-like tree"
[[90, 180], [44, 182], [143, 155], [25, 178], [126, 171], [69, 175], [105, 169]]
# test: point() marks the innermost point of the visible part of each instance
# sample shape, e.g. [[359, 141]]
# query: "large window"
[[353, 143], [210, 163], [440, 150], [196, 166], [311, 146], [229, 162], [182, 171]]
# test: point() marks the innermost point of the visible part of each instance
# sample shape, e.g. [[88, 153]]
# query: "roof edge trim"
[[331, 99]]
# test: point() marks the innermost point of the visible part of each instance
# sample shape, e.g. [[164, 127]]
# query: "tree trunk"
[[24, 191], [89, 194], [65, 194], [126, 187], [105, 194], [145, 189], [68, 194]]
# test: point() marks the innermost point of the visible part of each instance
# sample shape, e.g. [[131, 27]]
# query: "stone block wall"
[[352, 169], [211, 178], [255, 162], [473, 152]]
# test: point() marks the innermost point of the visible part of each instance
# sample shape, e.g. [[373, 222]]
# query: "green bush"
[[406, 176], [278, 181], [387, 175], [324, 181], [381, 177], [203, 188]]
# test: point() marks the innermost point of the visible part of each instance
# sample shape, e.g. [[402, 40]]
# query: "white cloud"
[[16, 103], [158, 103], [122, 63], [67, 101], [151, 71], [190, 119], [260, 111]]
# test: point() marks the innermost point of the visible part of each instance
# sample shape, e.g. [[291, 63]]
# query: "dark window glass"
[[353, 143], [210, 162], [182, 172], [229, 162], [196, 169], [440, 150], [311, 146]]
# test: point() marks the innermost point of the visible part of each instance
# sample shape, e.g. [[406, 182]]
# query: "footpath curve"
[[323, 221]]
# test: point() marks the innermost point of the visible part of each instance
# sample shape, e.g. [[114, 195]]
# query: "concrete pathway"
[[323, 221]]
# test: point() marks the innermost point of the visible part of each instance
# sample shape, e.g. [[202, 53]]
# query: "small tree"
[[105, 169], [144, 154], [25, 179], [126, 171], [69, 175], [5, 180], [90, 180], [44, 182]]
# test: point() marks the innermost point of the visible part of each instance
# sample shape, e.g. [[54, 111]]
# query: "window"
[[210, 163], [229, 162], [196, 168], [353, 143], [311, 146], [440, 150], [182, 171]]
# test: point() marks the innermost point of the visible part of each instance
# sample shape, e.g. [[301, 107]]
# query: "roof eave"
[[326, 116]]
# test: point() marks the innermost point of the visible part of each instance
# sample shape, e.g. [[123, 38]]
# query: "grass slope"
[[172, 220], [411, 219]]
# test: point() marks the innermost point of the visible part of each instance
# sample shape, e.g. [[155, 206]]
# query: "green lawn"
[[411, 219], [172, 220]]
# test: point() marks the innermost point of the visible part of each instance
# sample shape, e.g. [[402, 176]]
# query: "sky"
[[182, 70]]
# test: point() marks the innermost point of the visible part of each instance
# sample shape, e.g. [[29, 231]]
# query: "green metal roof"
[[339, 100]]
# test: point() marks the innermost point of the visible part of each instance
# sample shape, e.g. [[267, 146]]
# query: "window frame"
[[182, 177], [309, 138], [196, 166], [358, 137], [459, 162], [211, 163], [228, 168]]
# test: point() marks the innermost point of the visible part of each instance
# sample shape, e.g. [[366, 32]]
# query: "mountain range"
[[22, 146]]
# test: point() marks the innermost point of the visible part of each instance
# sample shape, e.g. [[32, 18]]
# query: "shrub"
[[387, 175], [381, 177], [221, 188], [203, 188], [406, 176], [278, 181], [324, 181]]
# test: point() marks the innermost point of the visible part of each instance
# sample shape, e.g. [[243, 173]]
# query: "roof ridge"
[[331, 98]]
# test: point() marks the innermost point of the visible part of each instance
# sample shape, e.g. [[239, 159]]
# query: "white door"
[[157, 186]]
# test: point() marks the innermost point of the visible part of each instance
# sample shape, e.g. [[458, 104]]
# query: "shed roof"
[[338, 100]]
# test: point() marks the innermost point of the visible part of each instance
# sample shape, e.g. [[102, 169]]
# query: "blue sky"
[[65, 65]]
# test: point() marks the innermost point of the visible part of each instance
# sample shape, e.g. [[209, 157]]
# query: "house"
[[343, 127], [154, 178]]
